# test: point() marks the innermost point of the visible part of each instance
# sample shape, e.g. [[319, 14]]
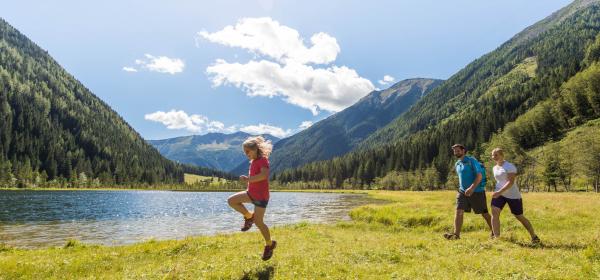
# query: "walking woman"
[[507, 192]]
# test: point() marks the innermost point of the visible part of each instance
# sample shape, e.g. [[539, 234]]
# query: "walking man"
[[471, 191]]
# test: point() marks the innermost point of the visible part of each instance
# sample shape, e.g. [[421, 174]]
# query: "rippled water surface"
[[49, 218]]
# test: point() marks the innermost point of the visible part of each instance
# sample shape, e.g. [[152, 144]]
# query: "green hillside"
[[54, 131], [573, 163], [343, 131], [475, 103]]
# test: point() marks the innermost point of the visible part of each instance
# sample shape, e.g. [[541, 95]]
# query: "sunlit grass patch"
[[401, 239]]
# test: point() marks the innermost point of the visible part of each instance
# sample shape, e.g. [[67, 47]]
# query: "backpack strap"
[[473, 164]]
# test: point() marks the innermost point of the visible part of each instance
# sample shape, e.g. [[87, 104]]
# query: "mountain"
[[487, 72], [54, 129], [557, 141], [214, 150], [341, 132], [476, 103]]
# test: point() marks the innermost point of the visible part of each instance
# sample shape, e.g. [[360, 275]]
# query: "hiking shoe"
[[536, 240], [248, 223], [451, 236], [268, 252]]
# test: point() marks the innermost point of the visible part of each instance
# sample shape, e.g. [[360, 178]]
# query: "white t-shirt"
[[501, 176]]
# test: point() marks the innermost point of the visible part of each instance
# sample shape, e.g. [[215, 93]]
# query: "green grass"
[[398, 240], [192, 178]]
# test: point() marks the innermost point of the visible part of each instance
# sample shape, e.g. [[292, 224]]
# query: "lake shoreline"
[[399, 238], [161, 215], [174, 189], [348, 191]]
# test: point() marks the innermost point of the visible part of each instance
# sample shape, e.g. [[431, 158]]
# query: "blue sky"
[[279, 66]]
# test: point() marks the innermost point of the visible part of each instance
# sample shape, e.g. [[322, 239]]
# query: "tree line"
[[473, 106], [55, 132]]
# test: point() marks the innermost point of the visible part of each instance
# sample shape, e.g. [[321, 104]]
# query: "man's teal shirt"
[[467, 170]]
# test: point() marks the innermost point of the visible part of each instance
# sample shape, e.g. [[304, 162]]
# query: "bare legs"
[[525, 222], [488, 220], [237, 201], [458, 220], [259, 214], [496, 222]]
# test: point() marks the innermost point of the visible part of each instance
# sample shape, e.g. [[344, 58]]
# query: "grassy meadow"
[[192, 178], [398, 240]]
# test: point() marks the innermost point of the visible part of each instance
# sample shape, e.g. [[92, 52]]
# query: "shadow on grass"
[[263, 273], [546, 245], [5, 247]]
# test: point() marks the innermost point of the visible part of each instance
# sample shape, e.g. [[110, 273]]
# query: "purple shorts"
[[515, 205]]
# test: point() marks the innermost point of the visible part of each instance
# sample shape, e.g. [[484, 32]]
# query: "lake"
[[33, 219]]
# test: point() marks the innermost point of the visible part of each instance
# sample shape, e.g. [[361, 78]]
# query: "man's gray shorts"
[[476, 201]]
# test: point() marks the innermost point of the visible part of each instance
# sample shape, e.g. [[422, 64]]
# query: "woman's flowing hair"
[[258, 143]]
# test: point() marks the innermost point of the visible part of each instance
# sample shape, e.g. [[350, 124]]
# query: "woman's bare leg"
[[526, 224], [236, 202], [259, 213], [496, 221]]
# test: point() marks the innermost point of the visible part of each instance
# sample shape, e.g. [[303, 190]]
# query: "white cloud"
[[289, 69], [129, 69], [201, 125], [305, 125], [267, 37], [194, 123], [331, 89], [387, 79], [161, 64], [266, 129]]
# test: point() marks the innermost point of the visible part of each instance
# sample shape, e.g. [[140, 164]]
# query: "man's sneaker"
[[451, 236], [268, 252], [536, 240], [248, 223]]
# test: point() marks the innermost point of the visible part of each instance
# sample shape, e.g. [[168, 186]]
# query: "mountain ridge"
[[471, 106], [55, 129], [342, 131], [213, 150]]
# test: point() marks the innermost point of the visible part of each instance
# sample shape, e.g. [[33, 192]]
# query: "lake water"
[[33, 219]]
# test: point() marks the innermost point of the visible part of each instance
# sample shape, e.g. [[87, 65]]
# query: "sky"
[[175, 68]]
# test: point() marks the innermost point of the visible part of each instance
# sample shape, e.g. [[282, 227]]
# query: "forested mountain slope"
[[53, 128]]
